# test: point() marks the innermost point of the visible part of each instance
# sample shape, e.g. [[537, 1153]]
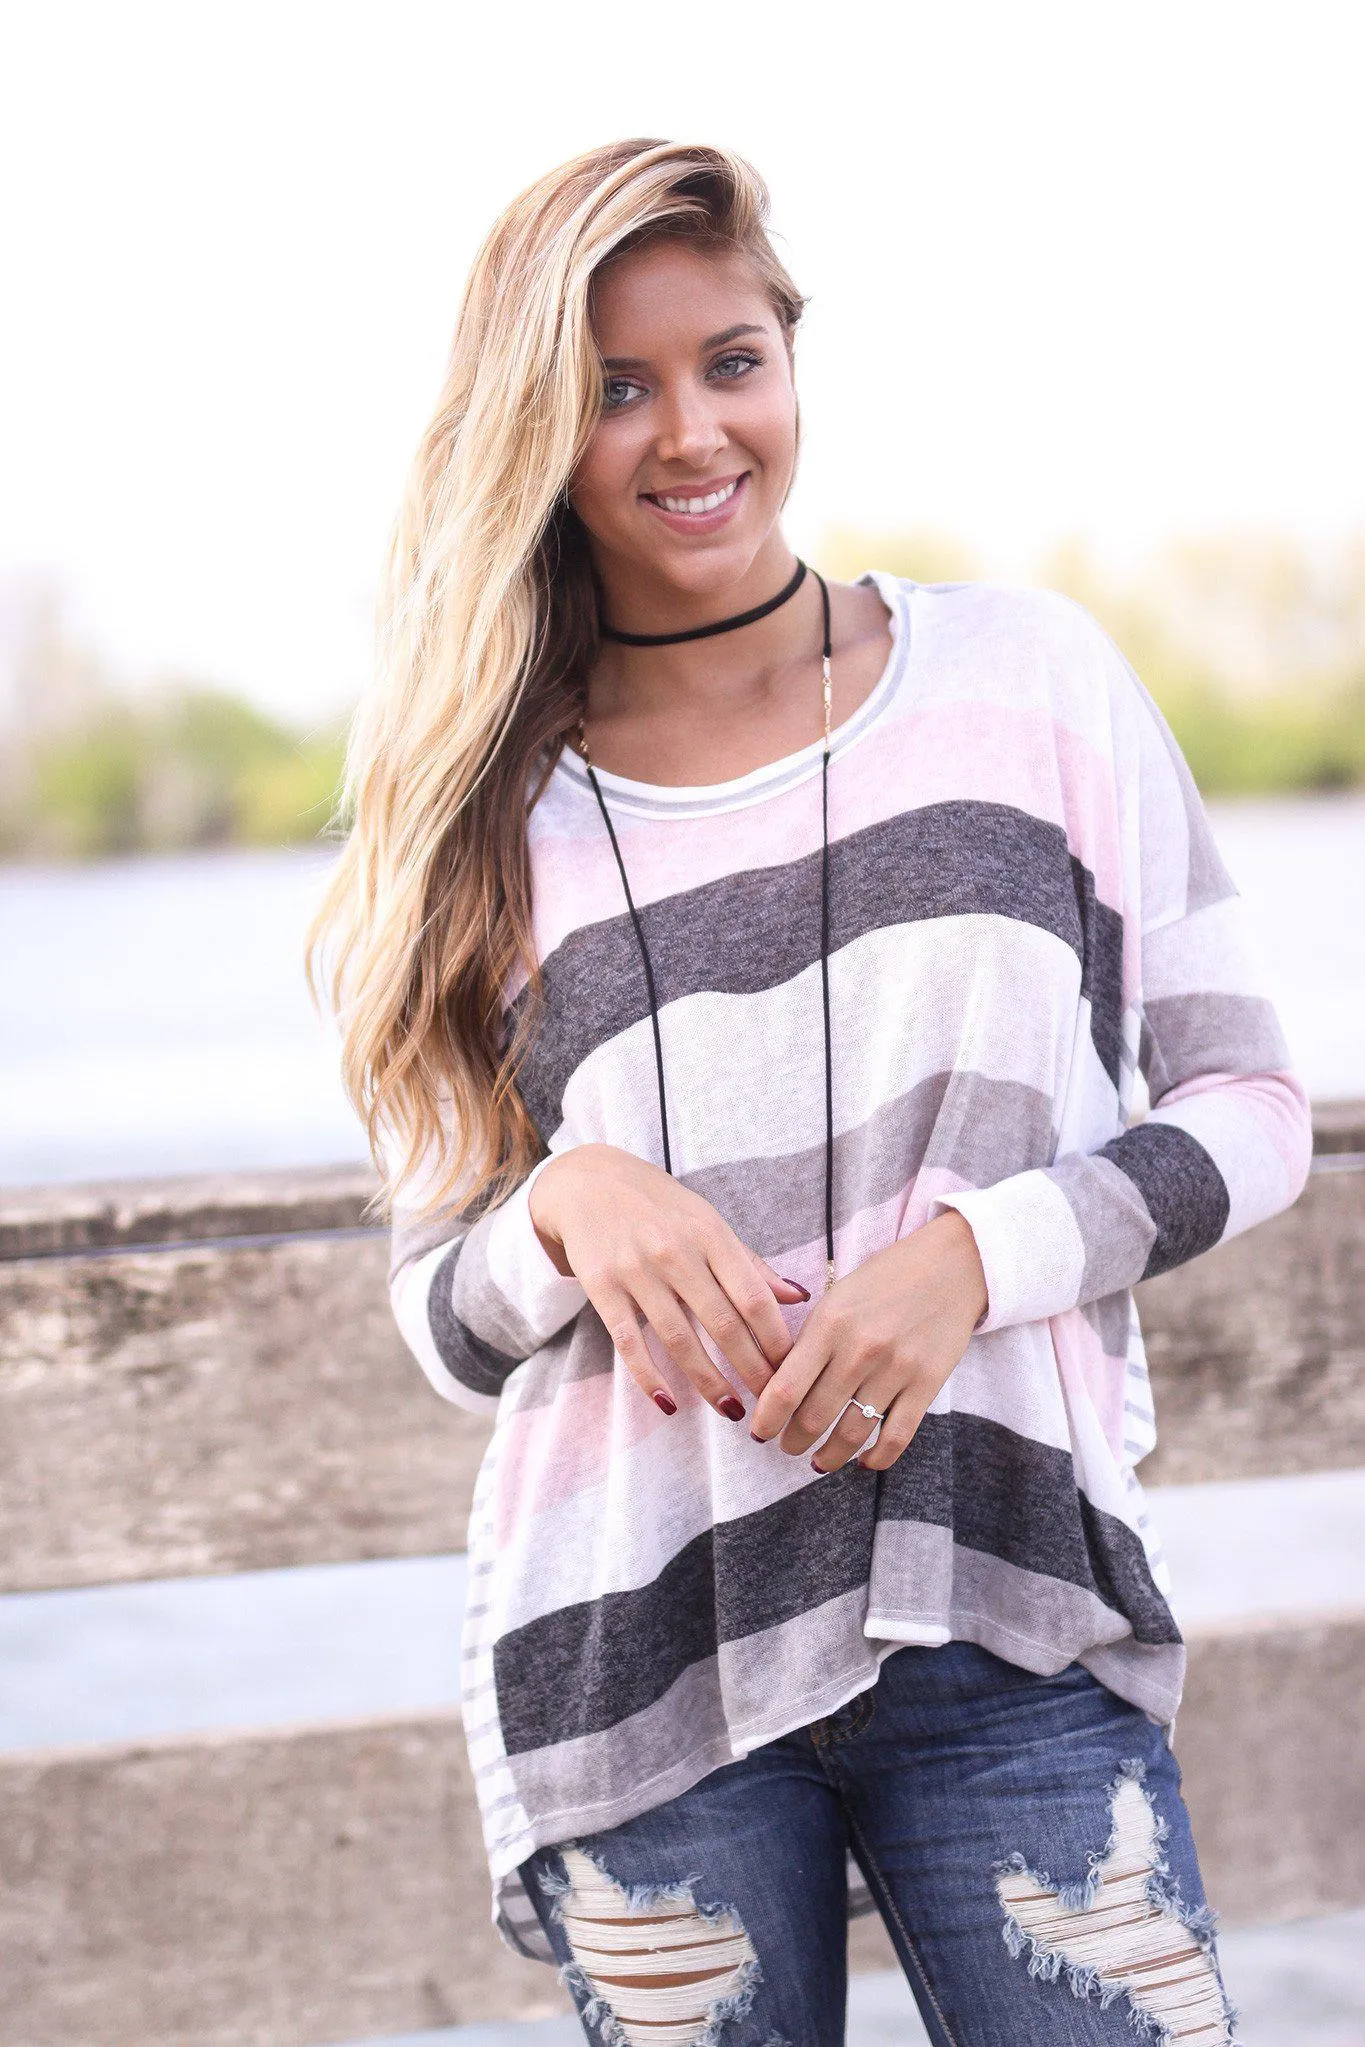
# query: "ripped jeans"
[[1023, 1837]]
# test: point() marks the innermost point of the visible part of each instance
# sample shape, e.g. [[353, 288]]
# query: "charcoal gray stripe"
[[1185, 1194], [582, 1668], [712, 1702], [755, 930], [465, 1356], [1207, 1033]]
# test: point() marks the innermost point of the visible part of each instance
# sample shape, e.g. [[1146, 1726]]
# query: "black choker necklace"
[[704, 632]]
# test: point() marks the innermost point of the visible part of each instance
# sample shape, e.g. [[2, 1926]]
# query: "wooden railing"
[[203, 1375]]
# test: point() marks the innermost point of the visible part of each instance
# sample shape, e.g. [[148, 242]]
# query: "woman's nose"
[[689, 430]]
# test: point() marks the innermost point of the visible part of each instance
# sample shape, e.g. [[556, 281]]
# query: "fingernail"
[[732, 1409], [863, 1465], [757, 1438], [669, 1406], [817, 1467], [804, 1291]]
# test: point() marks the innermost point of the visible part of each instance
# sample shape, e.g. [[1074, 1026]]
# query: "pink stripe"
[[1274, 1103], [1090, 1375]]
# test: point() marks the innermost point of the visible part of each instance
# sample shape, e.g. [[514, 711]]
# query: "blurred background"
[[1085, 310]]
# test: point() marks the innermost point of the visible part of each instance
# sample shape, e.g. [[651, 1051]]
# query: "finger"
[[792, 1380], [669, 1319], [852, 1429], [724, 1323], [897, 1432], [788, 1291], [621, 1319], [751, 1286]]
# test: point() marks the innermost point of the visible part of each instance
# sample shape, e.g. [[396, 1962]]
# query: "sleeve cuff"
[[522, 1269], [1030, 1247]]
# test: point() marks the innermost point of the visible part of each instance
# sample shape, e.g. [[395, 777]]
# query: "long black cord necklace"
[[725, 625]]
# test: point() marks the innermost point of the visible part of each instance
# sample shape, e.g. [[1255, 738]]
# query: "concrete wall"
[[202, 1376]]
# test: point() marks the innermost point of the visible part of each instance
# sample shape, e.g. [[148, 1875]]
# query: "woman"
[[744, 980]]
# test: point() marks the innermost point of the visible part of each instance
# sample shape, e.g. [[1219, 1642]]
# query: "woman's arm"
[[1228, 1139]]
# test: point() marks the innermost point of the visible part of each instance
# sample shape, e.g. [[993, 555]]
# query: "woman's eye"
[[736, 363], [616, 392]]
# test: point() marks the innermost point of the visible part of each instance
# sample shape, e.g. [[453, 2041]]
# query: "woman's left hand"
[[888, 1335]]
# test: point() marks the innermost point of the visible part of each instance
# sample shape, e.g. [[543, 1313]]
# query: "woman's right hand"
[[641, 1245]]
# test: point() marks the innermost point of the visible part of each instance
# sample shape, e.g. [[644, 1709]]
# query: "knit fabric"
[[1027, 910]]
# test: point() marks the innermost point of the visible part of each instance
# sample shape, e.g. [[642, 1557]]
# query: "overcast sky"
[[1075, 270]]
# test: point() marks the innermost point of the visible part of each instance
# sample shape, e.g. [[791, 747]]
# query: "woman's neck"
[[710, 710]]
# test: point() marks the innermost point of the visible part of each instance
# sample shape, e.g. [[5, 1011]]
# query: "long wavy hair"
[[486, 634]]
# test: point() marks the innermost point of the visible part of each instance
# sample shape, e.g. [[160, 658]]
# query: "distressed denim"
[[1023, 1837]]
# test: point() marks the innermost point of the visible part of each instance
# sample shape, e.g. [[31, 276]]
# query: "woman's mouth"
[[698, 511]]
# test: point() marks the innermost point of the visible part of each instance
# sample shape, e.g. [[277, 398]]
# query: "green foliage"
[[1270, 744], [182, 767]]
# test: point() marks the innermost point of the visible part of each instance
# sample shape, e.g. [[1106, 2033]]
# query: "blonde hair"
[[487, 629]]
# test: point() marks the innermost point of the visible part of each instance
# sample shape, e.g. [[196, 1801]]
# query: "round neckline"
[[703, 798]]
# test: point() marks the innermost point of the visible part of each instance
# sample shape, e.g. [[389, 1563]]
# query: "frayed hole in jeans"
[[1124, 1931], [652, 1968]]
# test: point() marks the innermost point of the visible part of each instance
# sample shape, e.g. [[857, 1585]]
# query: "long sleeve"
[[476, 1299], [1227, 1140]]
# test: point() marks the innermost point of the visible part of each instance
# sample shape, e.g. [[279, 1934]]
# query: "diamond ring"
[[869, 1412]]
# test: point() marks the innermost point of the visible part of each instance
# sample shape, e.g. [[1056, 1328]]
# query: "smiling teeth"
[[698, 505]]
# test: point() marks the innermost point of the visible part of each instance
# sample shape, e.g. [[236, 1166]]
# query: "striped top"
[[1027, 911]]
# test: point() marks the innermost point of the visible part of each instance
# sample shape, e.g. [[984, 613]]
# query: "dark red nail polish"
[[757, 1438], [732, 1409], [817, 1467], [804, 1291], [669, 1406]]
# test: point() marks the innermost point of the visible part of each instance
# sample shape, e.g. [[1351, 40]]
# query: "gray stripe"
[[482, 1306], [1110, 1316], [746, 1694], [1046, 1621], [410, 1240], [1112, 1217], [1183, 1035], [1010, 1497], [965, 1123], [663, 1747]]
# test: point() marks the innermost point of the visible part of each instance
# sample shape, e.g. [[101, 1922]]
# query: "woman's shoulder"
[[1026, 616], [1015, 641]]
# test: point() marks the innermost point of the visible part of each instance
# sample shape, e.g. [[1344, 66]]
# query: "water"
[[154, 1019]]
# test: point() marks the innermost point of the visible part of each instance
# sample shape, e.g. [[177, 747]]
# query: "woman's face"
[[688, 467]]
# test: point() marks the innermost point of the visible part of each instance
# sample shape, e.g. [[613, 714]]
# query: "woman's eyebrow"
[[729, 334], [639, 362]]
